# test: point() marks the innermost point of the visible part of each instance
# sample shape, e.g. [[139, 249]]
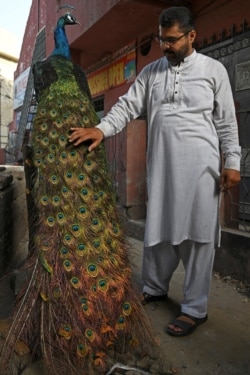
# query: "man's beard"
[[173, 57], [176, 57]]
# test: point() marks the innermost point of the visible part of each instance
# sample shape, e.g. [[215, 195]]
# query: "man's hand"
[[229, 179], [80, 135]]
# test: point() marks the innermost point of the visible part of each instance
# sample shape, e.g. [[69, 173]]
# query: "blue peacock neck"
[[61, 41]]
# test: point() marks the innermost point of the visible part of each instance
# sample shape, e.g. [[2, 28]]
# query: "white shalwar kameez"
[[191, 119]]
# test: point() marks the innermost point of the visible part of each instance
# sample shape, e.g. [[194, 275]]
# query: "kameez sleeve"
[[129, 107], [226, 123]]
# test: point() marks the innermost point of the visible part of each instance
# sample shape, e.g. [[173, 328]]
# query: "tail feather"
[[79, 310]]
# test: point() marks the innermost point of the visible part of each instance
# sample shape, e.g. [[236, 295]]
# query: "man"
[[191, 121]]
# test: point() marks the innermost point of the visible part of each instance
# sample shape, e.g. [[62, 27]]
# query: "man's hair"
[[177, 15]]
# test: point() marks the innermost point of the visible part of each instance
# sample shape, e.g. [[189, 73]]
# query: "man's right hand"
[[80, 135]]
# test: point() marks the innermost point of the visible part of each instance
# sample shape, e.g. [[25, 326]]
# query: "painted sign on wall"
[[20, 88], [120, 71]]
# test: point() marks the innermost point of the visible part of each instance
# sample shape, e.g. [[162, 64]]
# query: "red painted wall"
[[219, 15], [112, 20]]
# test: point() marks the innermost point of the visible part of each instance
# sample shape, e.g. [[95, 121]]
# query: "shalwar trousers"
[[160, 262]]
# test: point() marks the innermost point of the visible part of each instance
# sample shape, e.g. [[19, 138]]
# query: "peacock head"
[[67, 19]]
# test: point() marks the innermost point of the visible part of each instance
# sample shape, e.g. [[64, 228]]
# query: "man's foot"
[[184, 324], [148, 298]]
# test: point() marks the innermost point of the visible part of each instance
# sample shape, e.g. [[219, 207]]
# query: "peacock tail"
[[79, 310]]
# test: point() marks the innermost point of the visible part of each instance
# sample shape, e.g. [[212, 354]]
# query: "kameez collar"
[[185, 63]]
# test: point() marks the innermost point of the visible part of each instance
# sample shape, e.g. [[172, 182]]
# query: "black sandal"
[[186, 327], [148, 298]]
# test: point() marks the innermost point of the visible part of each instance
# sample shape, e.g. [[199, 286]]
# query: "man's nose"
[[166, 47]]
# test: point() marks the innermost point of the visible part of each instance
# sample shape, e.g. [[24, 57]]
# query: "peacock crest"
[[79, 310]]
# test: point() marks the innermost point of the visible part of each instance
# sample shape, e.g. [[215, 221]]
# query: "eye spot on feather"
[[81, 177], [84, 192], [69, 175], [50, 221], [44, 126], [63, 155], [44, 200], [46, 246], [51, 158], [54, 179], [82, 350], [92, 270], [76, 229], [67, 265], [96, 243], [65, 331], [96, 178], [81, 250], [90, 334], [103, 285], [127, 308], [45, 141], [53, 134], [63, 140], [59, 123], [75, 282], [53, 113], [61, 218], [95, 197], [56, 200], [52, 147], [42, 111], [38, 163], [64, 252], [38, 138], [121, 323]]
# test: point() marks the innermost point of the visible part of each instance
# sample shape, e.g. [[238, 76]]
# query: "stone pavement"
[[221, 346]]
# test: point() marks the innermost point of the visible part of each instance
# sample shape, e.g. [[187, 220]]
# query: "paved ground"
[[219, 347]]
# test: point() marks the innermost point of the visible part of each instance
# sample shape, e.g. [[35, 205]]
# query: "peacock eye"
[[75, 281], [81, 177], [96, 243], [75, 227], [92, 267], [64, 251], [44, 126], [121, 319]]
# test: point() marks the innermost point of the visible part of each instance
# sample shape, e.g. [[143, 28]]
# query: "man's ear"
[[192, 35]]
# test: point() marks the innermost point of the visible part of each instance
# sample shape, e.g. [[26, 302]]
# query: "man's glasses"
[[170, 40]]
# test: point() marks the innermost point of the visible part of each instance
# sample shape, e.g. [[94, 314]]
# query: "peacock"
[[78, 311]]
